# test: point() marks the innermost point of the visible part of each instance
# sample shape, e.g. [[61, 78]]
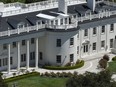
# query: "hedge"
[[114, 58], [64, 67], [21, 77]]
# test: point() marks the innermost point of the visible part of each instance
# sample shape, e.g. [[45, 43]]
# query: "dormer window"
[[21, 25]]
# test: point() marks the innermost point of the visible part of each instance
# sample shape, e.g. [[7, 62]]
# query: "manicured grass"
[[37, 81], [112, 66]]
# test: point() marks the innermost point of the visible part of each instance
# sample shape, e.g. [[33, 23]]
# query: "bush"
[[65, 67], [103, 63], [106, 57], [114, 58], [21, 77]]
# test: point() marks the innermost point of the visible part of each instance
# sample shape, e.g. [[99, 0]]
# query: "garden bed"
[[78, 65]]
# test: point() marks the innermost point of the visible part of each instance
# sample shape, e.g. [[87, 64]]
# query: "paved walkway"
[[90, 65]]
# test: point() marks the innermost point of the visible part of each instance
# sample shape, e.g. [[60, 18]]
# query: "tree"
[[103, 63], [102, 79], [2, 83], [106, 57]]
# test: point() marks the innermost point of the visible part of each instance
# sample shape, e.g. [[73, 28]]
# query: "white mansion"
[[55, 32]]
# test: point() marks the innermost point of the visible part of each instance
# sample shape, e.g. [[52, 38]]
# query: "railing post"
[[8, 32], [18, 31]]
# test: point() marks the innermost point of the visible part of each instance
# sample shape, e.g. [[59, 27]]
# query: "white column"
[[27, 60], [8, 58], [18, 56], [36, 53]]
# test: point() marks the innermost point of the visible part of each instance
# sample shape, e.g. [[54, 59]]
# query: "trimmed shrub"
[[106, 57], [21, 77], [65, 67], [114, 58]]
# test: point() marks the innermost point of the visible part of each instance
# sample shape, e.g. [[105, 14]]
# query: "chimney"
[[62, 6], [91, 4]]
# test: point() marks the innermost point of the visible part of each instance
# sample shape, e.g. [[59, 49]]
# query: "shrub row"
[[58, 74], [65, 67], [114, 58], [21, 77]]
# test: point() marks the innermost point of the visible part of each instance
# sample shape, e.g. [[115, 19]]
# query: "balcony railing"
[[38, 6]]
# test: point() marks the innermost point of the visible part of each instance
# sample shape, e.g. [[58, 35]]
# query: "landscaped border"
[[21, 76], [65, 67]]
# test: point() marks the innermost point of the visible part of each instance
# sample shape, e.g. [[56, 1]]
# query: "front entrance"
[[85, 49]]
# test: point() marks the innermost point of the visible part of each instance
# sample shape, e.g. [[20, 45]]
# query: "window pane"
[[58, 58]]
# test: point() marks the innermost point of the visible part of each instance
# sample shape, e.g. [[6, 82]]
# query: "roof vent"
[[91, 4], [62, 6]]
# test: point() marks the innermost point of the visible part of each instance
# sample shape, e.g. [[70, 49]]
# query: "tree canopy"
[[102, 79]]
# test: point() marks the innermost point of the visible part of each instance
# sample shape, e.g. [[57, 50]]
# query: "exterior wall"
[[65, 50], [47, 45]]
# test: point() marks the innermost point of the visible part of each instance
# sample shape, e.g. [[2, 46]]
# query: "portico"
[[19, 55]]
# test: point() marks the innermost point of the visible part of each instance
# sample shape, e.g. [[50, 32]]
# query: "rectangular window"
[[4, 46], [111, 43], [56, 22], [61, 21], [77, 49], [102, 44], [103, 29], [85, 48], [71, 57], [71, 41], [58, 58], [32, 55], [40, 55], [94, 46], [23, 57], [66, 21], [86, 32], [23, 42], [14, 44], [112, 27], [11, 60], [32, 40], [0, 63], [58, 43], [94, 31]]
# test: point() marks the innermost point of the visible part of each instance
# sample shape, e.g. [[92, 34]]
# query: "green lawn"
[[37, 81], [112, 66]]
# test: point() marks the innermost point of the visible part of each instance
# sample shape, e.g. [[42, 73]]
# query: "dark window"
[[0, 63], [77, 49], [111, 43], [23, 42], [40, 55], [71, 57], [32, 55], [102, 44], [14, 44], [86, 32], [32, 40], [58, 58], [58, 43], [11, 60], [71, 41], [61, 21], [94, 31], [23, 57], [4, 46], [112, 27], [94, 46], [103, 29]]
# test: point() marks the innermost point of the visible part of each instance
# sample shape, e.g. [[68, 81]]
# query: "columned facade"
[[28, 56], [9, 58], [36, 53], [18, 56]]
